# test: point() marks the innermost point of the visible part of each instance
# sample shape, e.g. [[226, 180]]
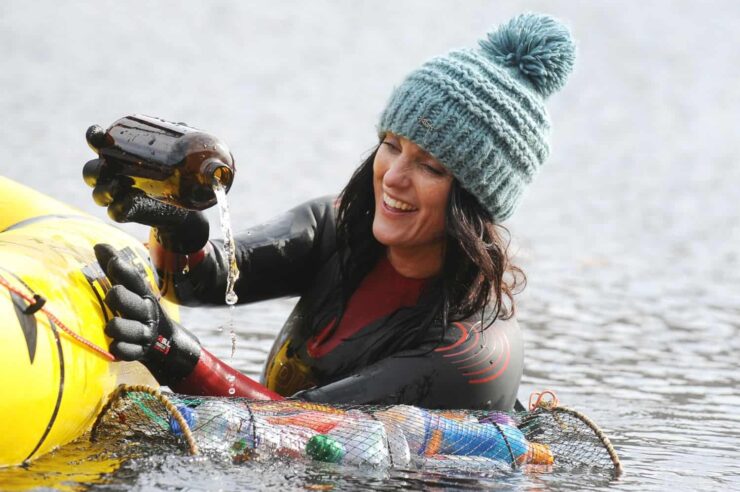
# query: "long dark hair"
[[477, 275]]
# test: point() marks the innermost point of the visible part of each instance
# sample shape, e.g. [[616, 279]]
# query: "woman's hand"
[[142, 330], [178, 230]]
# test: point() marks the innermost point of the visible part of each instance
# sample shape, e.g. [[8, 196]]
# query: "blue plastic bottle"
[[430, 434], [471, 439]]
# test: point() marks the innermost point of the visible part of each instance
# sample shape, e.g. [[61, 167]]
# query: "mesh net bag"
[[397, 436]]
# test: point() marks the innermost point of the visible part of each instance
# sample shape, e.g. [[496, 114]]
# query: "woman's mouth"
[[397, 206]]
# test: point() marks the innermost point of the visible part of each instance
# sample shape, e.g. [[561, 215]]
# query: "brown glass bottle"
[[171, 162]]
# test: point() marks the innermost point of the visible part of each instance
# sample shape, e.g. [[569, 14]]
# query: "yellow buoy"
[[54, 365]]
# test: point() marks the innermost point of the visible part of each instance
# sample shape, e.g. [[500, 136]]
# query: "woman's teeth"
[[397, 204]]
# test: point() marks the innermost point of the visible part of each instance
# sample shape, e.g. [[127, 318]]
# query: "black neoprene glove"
[[142, 330], [178, 230]]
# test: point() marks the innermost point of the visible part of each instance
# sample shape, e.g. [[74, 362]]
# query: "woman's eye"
[[432, 169], [392, 145]]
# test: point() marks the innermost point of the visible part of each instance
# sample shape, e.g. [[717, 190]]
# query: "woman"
[[404, 281]]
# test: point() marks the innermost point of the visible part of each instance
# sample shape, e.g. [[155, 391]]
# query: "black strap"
[[38, 303]]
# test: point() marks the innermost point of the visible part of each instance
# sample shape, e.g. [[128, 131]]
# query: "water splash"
[[229, 245]]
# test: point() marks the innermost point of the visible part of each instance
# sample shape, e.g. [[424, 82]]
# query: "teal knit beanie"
[[481, 112]]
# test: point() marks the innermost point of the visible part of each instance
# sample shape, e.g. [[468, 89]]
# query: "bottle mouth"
[[218, 173]]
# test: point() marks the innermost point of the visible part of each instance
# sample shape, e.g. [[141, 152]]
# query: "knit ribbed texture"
[[481, 112]]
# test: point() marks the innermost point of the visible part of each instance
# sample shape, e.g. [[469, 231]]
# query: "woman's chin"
[[386, 237]]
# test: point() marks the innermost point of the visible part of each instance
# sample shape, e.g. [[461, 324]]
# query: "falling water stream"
[[229, 245]]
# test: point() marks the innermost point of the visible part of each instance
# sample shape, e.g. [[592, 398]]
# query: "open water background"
[[630, 235]]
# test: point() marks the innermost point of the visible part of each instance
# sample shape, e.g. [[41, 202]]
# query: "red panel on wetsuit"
[[213, 377], [380, 293]]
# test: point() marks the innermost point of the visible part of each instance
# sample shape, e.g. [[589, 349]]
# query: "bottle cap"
[[539, 454], [95, 137], [190, 418], [325, 448]]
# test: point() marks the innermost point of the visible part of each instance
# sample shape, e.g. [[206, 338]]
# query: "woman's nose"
[[397, 175]]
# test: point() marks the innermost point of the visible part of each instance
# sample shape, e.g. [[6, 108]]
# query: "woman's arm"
[[472, 369], [275, 259]]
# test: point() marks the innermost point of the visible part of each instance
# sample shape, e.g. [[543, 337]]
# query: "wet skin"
[[411, 193]]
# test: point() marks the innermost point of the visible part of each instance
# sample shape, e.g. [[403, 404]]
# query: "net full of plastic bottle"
[[171, 162]]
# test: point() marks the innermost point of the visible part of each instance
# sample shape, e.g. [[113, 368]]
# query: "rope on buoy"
[[122, 390], [37, 303]]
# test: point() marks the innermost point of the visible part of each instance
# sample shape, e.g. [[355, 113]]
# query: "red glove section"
[[213, 377]]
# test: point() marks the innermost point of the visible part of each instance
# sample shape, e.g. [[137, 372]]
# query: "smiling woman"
[[405, 285], [411, 193]]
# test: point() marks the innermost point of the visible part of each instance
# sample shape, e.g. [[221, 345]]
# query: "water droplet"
[[233, 342]]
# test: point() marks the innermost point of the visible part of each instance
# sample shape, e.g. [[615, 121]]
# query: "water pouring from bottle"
[[229, 244], [232, 274]]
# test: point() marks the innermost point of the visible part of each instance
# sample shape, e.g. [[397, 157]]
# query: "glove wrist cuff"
[[173, 359]]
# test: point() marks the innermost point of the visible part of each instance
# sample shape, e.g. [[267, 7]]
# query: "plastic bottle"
[[320, 422], [430, 434], [398, 447], [281, 440], [218, 426], [410, 421], [170, 162], [229, 427], [356, 438], [364, 440]]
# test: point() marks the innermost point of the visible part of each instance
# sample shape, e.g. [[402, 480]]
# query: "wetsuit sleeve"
[[276, 259], [476, 369]]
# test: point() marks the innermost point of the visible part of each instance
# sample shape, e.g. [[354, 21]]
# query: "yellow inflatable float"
[[54, 363]]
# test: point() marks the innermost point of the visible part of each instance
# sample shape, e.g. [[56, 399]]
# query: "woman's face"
[[411, 191]]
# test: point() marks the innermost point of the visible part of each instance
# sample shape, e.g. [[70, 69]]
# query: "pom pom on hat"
[[540, 47]]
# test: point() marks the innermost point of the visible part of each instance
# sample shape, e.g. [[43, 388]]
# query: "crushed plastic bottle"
[[217, 426], [430, 434], [364, 441]]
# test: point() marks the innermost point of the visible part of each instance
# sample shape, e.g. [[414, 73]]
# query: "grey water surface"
[[630, 235]]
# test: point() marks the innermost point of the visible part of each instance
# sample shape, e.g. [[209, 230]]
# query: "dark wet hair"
[[477, 274]]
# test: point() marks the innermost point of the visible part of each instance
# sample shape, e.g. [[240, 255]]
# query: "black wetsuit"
[[296, 255]]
